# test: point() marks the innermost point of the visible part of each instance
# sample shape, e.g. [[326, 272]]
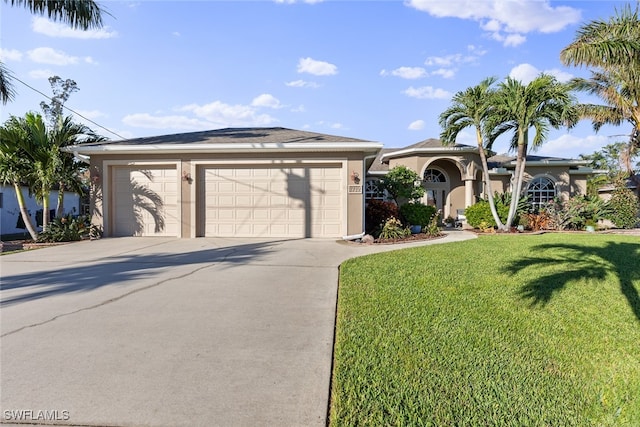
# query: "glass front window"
[[371, 190], [540, 191], [434, 175]]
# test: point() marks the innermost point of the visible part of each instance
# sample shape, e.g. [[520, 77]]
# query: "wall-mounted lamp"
[[186, 176], [355, 177]]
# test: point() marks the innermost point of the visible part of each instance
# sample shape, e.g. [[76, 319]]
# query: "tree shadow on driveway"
[[119, 270], [575, 262]]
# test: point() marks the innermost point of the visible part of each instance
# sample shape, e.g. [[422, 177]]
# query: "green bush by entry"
[[417, 213]]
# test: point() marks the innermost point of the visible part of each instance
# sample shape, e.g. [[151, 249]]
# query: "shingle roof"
[[377, 166], [432, 143], [235, 135]]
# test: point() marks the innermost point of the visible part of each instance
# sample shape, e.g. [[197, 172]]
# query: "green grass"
[[499, 331]]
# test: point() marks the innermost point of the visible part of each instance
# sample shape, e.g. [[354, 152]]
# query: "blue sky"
[[375, 70]]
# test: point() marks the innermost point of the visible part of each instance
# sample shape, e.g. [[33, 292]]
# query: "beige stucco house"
[[277, 182], [452, 175], [248, 182]]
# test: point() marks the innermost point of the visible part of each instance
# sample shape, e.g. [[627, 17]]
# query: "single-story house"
[[277, 182], [10, 218], [243, 182], [452, 175]]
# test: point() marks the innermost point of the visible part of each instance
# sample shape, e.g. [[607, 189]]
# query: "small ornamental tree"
[[402, 184]]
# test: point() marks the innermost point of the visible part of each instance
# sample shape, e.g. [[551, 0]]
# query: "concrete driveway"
[[171, 332]]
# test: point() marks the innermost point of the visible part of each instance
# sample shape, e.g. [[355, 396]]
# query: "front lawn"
[[513, 330]]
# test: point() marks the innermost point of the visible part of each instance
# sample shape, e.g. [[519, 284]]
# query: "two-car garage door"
[[293, 201], [269, 201]]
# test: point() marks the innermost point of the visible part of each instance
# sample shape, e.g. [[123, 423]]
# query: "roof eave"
[[371, 147], [429, 150]]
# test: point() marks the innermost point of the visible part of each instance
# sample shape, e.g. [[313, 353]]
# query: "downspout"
[[364, 177]]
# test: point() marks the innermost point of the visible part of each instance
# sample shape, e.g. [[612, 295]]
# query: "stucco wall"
[[10, 211], [187, 168]]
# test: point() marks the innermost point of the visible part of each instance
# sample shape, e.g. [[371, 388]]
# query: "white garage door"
[[145, 201], [273, 201]]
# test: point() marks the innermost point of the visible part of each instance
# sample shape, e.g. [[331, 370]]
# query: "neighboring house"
[[247, 182], [277, 182], [10, 218], [606, 191], [452, 175]]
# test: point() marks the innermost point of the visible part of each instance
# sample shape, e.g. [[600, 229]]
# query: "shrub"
[[393, 229], [481, 212], [432, 229], [538, 221], [575, 213], [68, 229], [623, 208], [402, 184], [377, 213], [417, 213]]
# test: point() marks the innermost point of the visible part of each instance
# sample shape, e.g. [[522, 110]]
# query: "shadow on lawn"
[[119, 271], [581, 262]]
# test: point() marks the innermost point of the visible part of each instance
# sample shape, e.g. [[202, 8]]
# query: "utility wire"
[[67, 108]]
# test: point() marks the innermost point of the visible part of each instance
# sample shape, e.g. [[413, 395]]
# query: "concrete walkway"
[[172, 332]]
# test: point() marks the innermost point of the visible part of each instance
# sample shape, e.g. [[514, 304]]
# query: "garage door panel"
[[145, 201], [273, 201]]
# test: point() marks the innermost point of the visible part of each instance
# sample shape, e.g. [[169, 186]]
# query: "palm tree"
[[42, 154], [471, 108], [82, 14], [542, 104], [66, 133], [613, 49], [15, 166]]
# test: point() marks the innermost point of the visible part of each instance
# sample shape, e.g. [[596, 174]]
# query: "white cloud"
[[302, 83], [41, 74], [90, 60], [55, 29], [527, 72], [506, 21], [317, 68], [427, 92], [571, 146], [446, 73], [448, 64], [410, 73], [299, 109], [47, 55], [10, 55], [176, 34], [220, 114], [266, 100], [145, 120], [416, 125]]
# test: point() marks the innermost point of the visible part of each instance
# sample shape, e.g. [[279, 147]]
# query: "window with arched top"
[[372, 191], [540, 191], [434, 175]]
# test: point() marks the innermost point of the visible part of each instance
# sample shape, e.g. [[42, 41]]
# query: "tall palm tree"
[[66, 133], [82, 14], [472, 108], [612, 48], [15, 166], [42, 154], [542, 104]]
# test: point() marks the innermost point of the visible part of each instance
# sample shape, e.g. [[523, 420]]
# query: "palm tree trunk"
[[516, 186], [60, 205], [45, 210], [26, 218], [487, 182]]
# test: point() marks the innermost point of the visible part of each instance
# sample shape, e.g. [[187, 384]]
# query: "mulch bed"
[[413, 238]]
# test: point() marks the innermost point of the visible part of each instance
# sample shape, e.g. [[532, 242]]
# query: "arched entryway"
[[436, 184]]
